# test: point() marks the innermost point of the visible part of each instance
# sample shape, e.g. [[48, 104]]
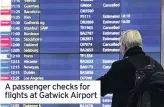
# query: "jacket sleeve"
[[111, 81]]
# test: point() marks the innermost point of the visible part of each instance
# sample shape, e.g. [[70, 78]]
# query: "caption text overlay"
[[50, 92]]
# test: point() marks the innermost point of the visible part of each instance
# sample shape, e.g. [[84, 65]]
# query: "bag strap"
[[152, 62]]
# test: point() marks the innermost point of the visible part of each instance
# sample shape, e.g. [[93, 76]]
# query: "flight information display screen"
[[72, 39]]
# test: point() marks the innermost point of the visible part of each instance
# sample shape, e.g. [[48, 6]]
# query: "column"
[[111, 21], [16, 40], [60, 42], [59, 48], [86, 43], [86, 26], [31, 27], [5, 39], [111, 26]]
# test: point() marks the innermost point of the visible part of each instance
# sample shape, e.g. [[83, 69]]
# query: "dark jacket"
[[119, 80]]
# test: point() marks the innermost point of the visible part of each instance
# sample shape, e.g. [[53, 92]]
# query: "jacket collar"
[[134, 51]]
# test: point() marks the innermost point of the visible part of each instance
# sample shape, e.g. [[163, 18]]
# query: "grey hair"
[[131, 38]]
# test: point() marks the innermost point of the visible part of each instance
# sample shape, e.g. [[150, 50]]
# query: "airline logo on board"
[[5, 42], [5, 4], [5, 17]]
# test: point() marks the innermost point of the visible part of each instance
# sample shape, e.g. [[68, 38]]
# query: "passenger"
[[120, 79]]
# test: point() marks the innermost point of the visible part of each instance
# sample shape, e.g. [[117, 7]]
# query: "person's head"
[[130, 39]]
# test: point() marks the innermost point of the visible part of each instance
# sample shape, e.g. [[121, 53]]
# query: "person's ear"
[[125, 47]]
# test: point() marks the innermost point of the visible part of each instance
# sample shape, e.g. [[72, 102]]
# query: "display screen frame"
[[162, 32]]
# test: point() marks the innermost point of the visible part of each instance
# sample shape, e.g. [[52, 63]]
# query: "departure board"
[[71, 39]]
